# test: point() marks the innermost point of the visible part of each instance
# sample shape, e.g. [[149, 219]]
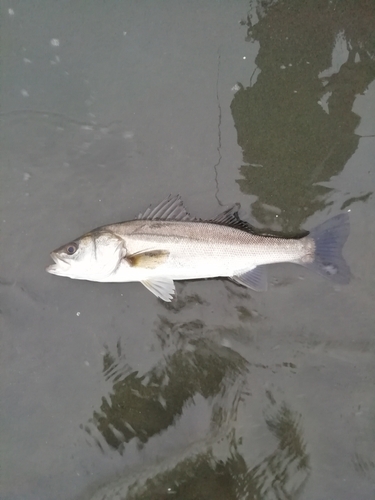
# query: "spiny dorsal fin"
[[231, 218], [170, 209]]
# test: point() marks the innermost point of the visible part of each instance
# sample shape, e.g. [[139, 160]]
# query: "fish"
[[165, 244]]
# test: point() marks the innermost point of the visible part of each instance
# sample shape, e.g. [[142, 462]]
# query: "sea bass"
[[165, 244]]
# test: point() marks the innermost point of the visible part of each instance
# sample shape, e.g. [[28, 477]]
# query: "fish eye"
[[71, 248]]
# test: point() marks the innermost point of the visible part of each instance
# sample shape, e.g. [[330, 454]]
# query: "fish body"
[[166, 244], [200, 249]]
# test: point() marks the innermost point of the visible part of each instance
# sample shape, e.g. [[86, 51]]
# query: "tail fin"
[[329, 239]]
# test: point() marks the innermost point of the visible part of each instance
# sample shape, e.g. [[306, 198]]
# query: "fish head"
[[94, 256]]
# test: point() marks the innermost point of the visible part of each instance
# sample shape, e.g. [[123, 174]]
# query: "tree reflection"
[[295, 125], [280, 475], [142, 406]]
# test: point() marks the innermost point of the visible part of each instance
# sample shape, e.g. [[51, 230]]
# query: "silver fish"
[[165, 244]]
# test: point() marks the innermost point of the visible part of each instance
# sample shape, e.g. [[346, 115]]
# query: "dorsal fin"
[[231, 218], [173, 208], [170, 209]]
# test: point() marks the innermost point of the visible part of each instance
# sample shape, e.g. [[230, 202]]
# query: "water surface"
[[225, 393]]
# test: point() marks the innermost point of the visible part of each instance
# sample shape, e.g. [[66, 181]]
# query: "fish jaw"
[[63, 268], [60, 266]]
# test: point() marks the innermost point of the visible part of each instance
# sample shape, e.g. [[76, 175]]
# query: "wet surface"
[[225, 393]]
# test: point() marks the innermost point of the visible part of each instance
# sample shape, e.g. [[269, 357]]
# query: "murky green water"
[[108, 393]]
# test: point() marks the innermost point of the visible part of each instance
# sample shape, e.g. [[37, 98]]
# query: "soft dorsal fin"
[[231, 218], [170, 209]]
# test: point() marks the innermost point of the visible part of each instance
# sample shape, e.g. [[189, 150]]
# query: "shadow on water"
[[294, 120], [140, 407]]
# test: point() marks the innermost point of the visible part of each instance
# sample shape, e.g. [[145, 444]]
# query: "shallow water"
[[225, 393]]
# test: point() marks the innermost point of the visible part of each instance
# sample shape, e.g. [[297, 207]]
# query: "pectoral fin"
[[256, 279], [148, 260], [163, 288]]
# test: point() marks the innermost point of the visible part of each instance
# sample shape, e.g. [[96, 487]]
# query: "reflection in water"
[[142, 406], [281, 475], [284, 472], [364, 465], [295, 124]]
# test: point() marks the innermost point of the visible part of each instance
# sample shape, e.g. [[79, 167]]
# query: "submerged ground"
[[224, 393]]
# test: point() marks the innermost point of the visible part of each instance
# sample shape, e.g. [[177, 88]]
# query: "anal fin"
[[256, 279], [163, 288]]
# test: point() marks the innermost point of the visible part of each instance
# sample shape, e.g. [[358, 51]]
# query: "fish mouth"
[[59, 264]]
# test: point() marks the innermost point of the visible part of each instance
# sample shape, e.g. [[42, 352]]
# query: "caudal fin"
[[329, 239]]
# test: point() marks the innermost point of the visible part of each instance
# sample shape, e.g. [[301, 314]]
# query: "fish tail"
[[329, 239]]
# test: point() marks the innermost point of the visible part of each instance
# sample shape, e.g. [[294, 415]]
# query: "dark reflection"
[[179, 302], [141, 406], [364, 465], [280, 475], [220, 466], [295, 124], [284, 472]]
